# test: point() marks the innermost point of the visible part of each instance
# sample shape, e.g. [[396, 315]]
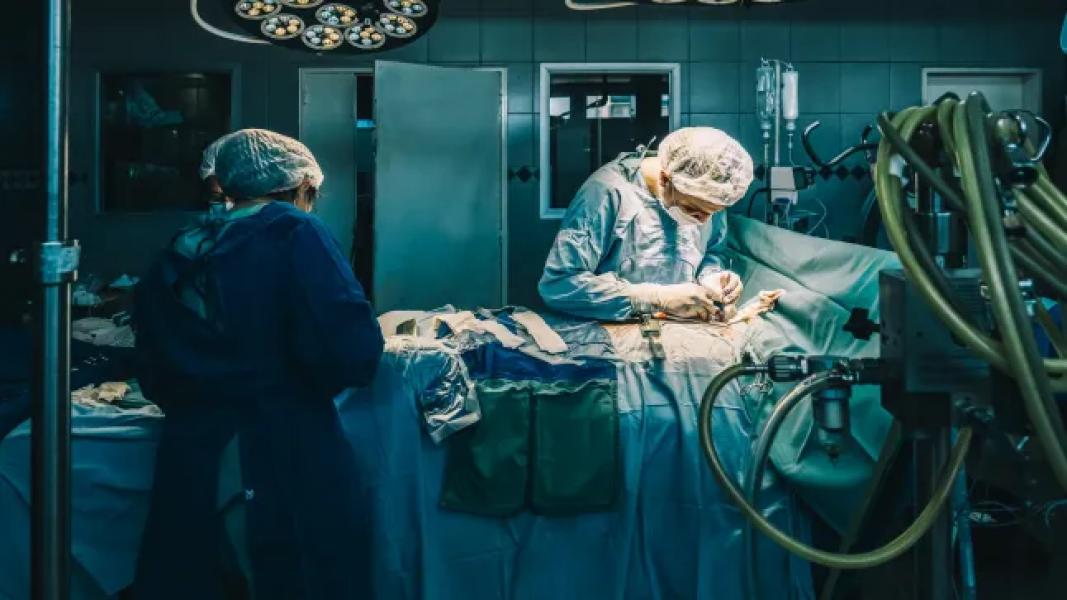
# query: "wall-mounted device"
[[785, 183]]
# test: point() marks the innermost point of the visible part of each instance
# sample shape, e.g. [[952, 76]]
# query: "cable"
[[889, 551], [763, 190], [825, 211], [194, 9]]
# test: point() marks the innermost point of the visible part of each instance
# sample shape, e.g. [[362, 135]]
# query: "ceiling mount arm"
[[194, 10], [571, 4]]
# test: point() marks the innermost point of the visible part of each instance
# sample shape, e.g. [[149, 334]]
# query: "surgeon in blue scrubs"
[[248, 325], [644, 233]]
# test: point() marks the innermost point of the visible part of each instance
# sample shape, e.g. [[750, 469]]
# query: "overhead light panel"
[[579, 5], [325, 27]]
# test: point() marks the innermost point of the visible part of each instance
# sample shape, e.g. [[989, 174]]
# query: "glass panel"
[[153, 129], [621, 110], [559, 107]]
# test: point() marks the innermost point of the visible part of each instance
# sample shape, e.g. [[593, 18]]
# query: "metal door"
[[327, 126], [440, 208]]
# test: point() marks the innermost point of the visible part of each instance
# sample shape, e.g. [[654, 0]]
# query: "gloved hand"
[[684, 300], [725, 286]]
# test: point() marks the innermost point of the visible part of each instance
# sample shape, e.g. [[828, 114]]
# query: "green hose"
[[1051, 200], [754, 479], [1040, 245], [1008, 306], [1042, 270], [834, 560], [1036, 218], [888, 190], [926, 173], [944, 124], [1055, 336]]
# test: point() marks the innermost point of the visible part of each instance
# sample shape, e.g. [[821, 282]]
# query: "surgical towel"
[[550, 447], [466, 321], [543, 335]]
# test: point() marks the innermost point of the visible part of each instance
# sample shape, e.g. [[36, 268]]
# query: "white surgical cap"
[[706, 163], [207, 159], [252, 163]]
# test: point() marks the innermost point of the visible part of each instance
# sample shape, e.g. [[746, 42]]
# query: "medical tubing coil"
[[889, 192], [834, 560], [1039, 408], [952, 197], [1009, 308]]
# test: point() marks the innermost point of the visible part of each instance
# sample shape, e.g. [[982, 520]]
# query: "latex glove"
[[725, 286], [683, 300]]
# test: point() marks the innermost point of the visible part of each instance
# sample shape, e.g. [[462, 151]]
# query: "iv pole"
[[55, 269]]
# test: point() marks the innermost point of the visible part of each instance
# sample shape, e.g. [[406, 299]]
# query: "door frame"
[[503, 72], [674, 117]]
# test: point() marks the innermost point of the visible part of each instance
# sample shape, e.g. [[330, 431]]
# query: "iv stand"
[[55, 269]]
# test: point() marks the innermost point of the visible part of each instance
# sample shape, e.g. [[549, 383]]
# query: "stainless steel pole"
[[56, 266]]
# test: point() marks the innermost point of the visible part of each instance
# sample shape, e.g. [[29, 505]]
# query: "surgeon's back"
[[248, 335]]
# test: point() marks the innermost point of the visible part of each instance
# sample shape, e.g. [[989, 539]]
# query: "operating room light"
[[325, 27], [576, 5]]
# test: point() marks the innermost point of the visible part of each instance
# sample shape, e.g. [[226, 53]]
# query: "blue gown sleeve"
[[570, 282], [712, 262], [335, 334]]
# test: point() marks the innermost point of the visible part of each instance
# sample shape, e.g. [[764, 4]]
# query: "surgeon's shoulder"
[[289, 222], [597, 196]]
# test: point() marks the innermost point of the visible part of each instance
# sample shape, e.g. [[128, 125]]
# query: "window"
[[153, 129], [592, 113]]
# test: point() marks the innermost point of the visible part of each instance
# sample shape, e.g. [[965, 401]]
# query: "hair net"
[[706, 163], [252, 163], [207, 159]]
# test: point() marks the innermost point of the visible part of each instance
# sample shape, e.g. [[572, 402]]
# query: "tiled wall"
[[855, 57]]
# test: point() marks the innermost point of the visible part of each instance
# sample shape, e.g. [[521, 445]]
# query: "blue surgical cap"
[[252, 163], [207, 159]]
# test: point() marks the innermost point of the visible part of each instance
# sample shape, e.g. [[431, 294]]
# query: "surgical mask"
[[682, 217]]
